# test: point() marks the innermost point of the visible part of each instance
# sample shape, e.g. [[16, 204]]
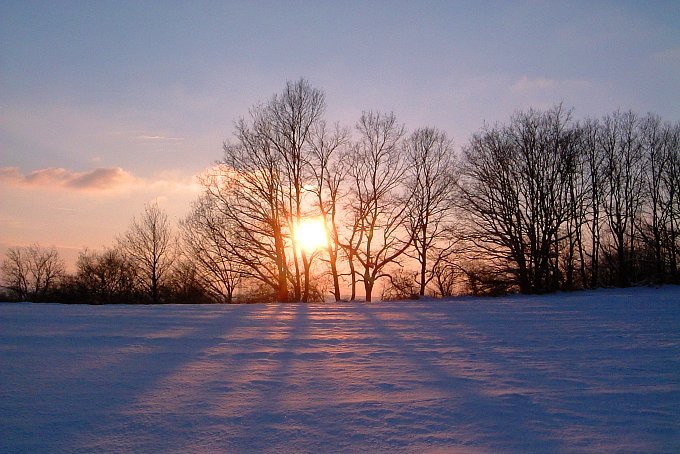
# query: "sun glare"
[[310, 235]]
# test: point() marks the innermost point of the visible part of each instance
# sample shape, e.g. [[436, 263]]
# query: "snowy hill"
[[581, 372]]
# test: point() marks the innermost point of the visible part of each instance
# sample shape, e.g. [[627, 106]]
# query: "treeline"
[[540, 204]]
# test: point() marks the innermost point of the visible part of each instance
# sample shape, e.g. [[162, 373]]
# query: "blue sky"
[[147, 91]]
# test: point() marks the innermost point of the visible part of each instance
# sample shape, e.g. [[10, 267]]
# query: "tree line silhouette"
[[541, 203]]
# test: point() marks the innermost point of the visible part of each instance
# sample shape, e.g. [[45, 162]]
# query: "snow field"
[[580, 372]]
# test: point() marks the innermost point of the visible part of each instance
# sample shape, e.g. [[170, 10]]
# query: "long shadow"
[[309, 378], [80, 392], [573, 368], [467, 413], [225, 400], [266, 417]]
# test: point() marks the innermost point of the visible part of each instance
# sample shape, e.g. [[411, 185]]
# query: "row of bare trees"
[[141, 267], [384, 198], [541, 203], [553, 203]]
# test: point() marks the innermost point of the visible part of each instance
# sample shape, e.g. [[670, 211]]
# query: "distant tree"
[[106, 277], [185, 285], [431, 180], [32, 273], [150, 245], [378, 203], [401, 285], [447, 278]]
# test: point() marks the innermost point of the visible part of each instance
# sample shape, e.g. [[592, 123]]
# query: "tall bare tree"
[[659, 220], [150, 244], [430, 178], [288, 122], [671, 182], [328, 171], [261, 188], [623, 186], [33, 272], [378, 206], [593, 167]]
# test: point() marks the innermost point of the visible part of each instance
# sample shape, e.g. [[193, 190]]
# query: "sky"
[[108, 105]]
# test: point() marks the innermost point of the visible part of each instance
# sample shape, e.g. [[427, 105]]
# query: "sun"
[[310, 235]]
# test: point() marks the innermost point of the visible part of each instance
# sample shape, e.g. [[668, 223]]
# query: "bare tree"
[[430, 178], [207, 243], [378, 206], [515, 191], [577, 194], [246, 189], [260, 188], [671, 187], [623, 186], [151, 246], [33, 272], [491, 202], [328, 170], [593, 168], [659, 221], [106, 277], [288, 121]]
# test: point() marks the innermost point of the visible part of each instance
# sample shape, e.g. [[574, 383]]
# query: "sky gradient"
[[105, 106]]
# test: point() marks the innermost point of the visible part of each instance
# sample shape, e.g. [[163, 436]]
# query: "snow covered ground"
[[582, 372]]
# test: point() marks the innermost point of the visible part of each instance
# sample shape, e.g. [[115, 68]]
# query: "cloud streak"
[[166, 138], [538, 84]]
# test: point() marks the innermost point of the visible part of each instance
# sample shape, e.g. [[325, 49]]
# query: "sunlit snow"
[[591, 371]]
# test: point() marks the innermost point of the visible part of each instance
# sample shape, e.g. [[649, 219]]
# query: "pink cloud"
[[98, 179]]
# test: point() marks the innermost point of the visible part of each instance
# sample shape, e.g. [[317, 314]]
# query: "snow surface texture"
[[582, 372]]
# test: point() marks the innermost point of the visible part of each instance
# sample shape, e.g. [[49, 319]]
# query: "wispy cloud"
[[526, 84], [150, 137]]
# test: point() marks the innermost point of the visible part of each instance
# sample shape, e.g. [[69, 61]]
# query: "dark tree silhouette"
[[150, 245], [623, 190], [32, 273], [515, 192], [105, 277], [208, 243]]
